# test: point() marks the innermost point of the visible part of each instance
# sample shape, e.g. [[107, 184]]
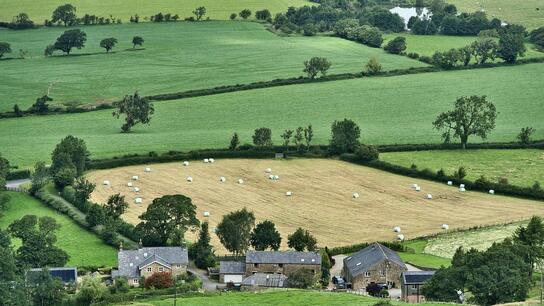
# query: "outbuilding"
[[231, 272]]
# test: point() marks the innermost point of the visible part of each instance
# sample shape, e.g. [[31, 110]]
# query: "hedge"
[[18, 175], [395, 246], [456, 146]]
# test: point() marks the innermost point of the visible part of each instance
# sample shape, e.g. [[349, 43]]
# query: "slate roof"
[[66, 275], [265, 280], [416, 277], [141, 257], [366, 258], [154, 258], [232, 267], [289, 257]]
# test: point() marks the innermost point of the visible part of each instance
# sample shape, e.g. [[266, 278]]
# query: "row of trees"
[[76, 38]]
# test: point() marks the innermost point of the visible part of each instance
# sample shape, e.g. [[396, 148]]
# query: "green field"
[[273, 297], [177, 57], [418, 257], [84, 247], [520, 167], [481, 239], [388, 109], [529, 13], [216, 9], [429, 44]]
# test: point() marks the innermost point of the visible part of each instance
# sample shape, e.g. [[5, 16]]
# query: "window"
[[414, 286], [313, 271], [280, 265], [382, 273], [161, 269], [149, 269], [135, 281], [178, 266], [256, 265], [367, 274]]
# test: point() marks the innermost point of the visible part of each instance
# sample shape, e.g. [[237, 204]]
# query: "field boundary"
[[56, 109]]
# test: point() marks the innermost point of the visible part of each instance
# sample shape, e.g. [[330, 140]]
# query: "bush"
[[413, 55], [301, 278], [159, 280], [366, 153], [396, 45], [460, 174]]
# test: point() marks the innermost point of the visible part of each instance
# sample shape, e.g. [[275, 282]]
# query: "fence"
[[17, 189]]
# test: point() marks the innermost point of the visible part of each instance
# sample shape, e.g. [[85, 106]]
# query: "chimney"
[[120, 246], [140, 244]]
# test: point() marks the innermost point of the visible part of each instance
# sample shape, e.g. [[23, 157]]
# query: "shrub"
[[460, 173], [373, 67], [233, 16], [373, 289], [413, 55], [159, 280], [396, 45], [441, 173], [301, 278], [366, 153], [309, 29]]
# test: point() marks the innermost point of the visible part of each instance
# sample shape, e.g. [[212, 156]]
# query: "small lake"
[[407, 12]]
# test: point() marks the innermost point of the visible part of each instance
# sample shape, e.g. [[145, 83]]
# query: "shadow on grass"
[[134, 49], [10, 58]]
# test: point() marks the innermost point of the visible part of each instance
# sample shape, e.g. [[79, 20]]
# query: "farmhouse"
[[411, 283], [275, 262], [373, 264], [143, 262]]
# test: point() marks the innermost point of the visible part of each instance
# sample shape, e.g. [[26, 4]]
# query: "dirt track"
[[322, 198]]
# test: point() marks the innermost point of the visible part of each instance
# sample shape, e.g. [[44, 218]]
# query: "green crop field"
[[416, 255], [481, 239], [272, 297], [84, 247], [177, 57], [520, 167], [216, 9], [429, 44], [529, 13], [389, 110]]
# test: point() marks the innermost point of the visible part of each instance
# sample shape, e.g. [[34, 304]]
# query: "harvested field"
[[322, 199]]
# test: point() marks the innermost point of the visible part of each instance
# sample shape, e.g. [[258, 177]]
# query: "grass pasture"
[[215, 9], [389, 110], [84, 247], [322, 198], [520, 167], [177, 56]]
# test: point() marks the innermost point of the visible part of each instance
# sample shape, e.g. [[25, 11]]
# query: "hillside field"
[[388, 109], [216, 9], [520, 167], [529, 13], [321, 202], [176, 57], [84, 247]]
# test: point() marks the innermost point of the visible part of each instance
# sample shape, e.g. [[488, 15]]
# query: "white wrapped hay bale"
[[129, 184], [135, 178], [268, 170], [491, 191], [462, 189], [106, 183], [206, 160], [222, 179], [288, 193], [450, 183], [429, 196], [211, 160], [186, 163], [147, 169], [276, 177], [462, 186], [355, 195], [189, 179], [396, 229], [206, 214], [400, 237], [240, 181], [136, 189], [445, 226], [271, 177], [418, 188], [138, 200]]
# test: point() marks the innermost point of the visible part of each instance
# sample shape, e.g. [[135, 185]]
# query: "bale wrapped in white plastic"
[[147, 169], [271, 177], [189, 179], [138, 200], [429, 196], [186, 163], [355, 195], [396, 229], [206, 160], [491, 191], [276, 177], [462, 186], [206, 214], [136, 189], [418, 188], [462, 189], [211, 160], [222, 179], [268, 170], [106, 183], [445, 226], [400, 237], [450, 183], [288, 193], [414, 186], [240, 181], [135, 178], [129, 184]]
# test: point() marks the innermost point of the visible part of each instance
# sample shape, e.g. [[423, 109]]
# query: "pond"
[[407, 12]]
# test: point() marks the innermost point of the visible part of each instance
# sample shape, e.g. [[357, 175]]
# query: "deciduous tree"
[[199, 12], [108, 43], [315, 66], [245, 13], [66, 14], [71, 39], [137, 41], [136, 110], [345, 136], [4, 48], [234, 231], [265, 236], [302, 239], [116, 206], [262, 137]]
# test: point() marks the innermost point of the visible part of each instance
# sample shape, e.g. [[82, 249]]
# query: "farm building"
[[231, 271], [66, 275], [143, 262], [275, 262], [411, 283], [373, 264]]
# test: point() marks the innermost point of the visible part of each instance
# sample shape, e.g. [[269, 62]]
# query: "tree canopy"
[[65, 13], [234, 230], [265, 236], [108, 43], [70, 39], [344, 136], [136, 109], [301, 239]]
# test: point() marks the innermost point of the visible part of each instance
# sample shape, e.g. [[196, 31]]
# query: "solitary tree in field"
[[4, 48], [233, 16], [71, 39], [472, 115], [108, 43], [234, 231], [345, 136], [136, 109], [265, 236], [245, 13], [137, 41], [65, 13], [199, 12], [262, 137], [316, 65]]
